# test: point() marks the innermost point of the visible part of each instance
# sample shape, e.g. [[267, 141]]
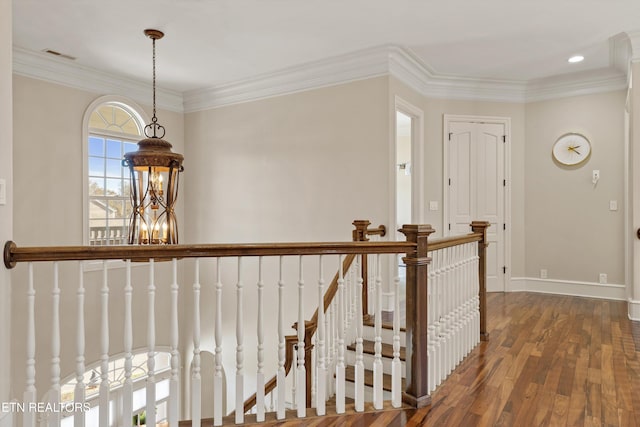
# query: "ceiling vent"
[[60, 55]]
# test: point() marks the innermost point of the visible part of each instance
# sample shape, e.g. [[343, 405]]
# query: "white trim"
[[385, 60], [417, 157], [634, 309], [506, 122], [45, 67], [141, 116], [360, 65], [568, 287]]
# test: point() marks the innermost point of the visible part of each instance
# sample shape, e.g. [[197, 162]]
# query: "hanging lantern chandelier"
[[155, 172]]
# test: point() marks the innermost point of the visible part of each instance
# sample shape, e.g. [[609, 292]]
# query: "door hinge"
[[504, 226], [450, 133], [449, 227], [504, 182], [504, 270], [449, 181], [504, 138]]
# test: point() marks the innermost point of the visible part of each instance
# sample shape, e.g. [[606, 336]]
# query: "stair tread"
[[368, 347], [350, 375], [386, 324]]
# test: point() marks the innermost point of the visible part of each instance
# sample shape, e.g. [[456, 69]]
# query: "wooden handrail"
[[14, 254], [447, 242]]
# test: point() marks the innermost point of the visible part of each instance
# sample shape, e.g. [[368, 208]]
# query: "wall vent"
[[58, 54]]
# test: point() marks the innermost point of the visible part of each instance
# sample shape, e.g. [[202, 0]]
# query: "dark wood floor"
[[550, 361]]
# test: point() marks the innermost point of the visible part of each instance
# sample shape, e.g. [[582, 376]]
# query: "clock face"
[[571, 149]]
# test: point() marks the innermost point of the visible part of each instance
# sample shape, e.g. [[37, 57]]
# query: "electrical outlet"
[[433, 205], [543, 273], [613, 205], [603, 278]]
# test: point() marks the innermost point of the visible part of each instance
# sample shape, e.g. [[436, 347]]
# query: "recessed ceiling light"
[[576, 58]]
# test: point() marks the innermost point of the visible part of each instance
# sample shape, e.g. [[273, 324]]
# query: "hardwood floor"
[[550, 360]]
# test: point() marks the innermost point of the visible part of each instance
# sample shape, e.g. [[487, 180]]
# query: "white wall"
[[47, 162], [299, 167], [570, 230], [6, 211]]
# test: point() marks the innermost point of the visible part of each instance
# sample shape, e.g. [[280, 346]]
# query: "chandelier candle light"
[[154, 171]]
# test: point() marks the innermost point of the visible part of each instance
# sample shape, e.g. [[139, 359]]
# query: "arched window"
[[116, 378], [112, 127]]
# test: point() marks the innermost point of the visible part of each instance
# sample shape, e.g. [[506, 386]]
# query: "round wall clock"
[[571, 149]]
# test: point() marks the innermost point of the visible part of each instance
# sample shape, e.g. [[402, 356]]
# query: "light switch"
[[3, 192], [613, 205], [433, 205]]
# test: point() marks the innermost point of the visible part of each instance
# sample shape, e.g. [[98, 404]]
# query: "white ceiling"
[[211, 42]]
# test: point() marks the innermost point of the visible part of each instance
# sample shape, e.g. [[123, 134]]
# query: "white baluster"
[[456, 306], [174, 382], [359, 365], [340, 388], [448, 284], [54, 396], [377, 362], [301, 386], [29, 417], [321, 393], [104, 347], [260, 404], [79, 391], [217, 378], [431, 312], [281, 346], [127, 387], [239, 348], [330, 323], [151, 348], [196, 379], [437, 305], [396, 364]]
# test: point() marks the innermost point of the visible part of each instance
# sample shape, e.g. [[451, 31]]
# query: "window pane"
[[96, 186], [130, 146], [116, 209], [96, 146], [98, 210], [114, 168], [114, 149], [96, 166], [114, 187]]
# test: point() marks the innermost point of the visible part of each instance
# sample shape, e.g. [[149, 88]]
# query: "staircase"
[[368, 349]]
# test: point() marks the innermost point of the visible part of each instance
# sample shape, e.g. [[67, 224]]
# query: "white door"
[[476, 188]]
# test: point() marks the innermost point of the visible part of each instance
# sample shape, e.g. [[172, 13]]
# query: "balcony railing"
[[444, 319]]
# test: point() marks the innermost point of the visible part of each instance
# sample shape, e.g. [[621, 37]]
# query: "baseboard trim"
[[634, 309], [568, 287]]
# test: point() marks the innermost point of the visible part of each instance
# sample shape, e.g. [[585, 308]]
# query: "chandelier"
[[155, 172]]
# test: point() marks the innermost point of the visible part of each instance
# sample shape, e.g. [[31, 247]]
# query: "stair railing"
[[293, 351]]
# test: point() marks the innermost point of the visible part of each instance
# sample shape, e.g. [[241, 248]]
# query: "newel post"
[[360, 234], [481, 227], [416, 393]]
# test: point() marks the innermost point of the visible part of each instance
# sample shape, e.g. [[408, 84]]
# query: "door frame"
[[417, 160], [506, 122]]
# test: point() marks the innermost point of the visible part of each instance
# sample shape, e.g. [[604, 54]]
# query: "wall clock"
[[571, 149]]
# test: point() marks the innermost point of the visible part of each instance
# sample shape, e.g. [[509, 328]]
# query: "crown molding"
[[41, 66], [576, 84], [387, 60], [360, 65]]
